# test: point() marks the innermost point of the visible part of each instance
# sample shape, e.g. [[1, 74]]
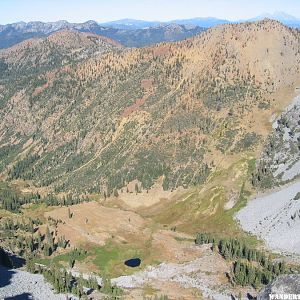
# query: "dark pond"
[[133, 262]]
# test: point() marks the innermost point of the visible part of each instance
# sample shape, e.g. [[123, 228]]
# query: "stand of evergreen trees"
[[247, 274], [250, 266], [24, 238], [22, 168], [28, 226], [112, 291], [53, 200], [76, 254], [65, 282], [12, 200]]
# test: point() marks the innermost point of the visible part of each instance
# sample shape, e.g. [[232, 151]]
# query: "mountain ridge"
[[205, 22], [129, 32], [14, 33], [175, 111]]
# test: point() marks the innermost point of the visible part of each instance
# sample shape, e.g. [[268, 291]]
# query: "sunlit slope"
[[99, 117]]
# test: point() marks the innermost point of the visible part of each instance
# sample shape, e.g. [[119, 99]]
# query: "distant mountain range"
[[128, 32], [281, 17], [202, 22], [131, 24], [139, 24], [12, 34]]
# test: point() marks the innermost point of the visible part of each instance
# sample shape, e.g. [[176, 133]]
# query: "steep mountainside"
[[12, 34], [279, 162], [38, 55], [156, 34], [171, 111]]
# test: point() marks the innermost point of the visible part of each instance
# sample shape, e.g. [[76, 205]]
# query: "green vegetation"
[[227, 140], [247, 142], [250, 266], [113, 292], [12, 200], [66, 259], [162, 125], [3, 66], [205, 209], [110, 258], [23, 238], [105, 256], [217, 96], [97, 119], [63, 281], [20, 168], [247, 274]]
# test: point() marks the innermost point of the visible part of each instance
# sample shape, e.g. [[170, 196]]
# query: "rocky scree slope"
[[275, 217], [280, 161]]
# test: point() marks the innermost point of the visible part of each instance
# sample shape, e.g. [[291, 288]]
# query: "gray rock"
[[19, 284], [275, 217], [284, 284]]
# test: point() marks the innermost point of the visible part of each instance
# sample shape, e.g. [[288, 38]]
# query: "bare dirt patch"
[[146, 199], [92, 222], [147, 84], [174, 247]]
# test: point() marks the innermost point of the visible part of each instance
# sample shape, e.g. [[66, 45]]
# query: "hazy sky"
[[106, 10]]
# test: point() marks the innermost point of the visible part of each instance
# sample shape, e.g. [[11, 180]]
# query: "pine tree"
[[69, 213], [93, 283], [116, 194], [49, 238], [30, 266], [71, 262], [47, 250], [39, 239], [136, 187]]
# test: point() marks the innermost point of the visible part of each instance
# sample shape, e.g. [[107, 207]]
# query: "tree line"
[[12, 201], [25, 239], [250, 266], [65, 282]]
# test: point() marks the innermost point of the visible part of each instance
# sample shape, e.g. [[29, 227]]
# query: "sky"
[[156, 10]]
